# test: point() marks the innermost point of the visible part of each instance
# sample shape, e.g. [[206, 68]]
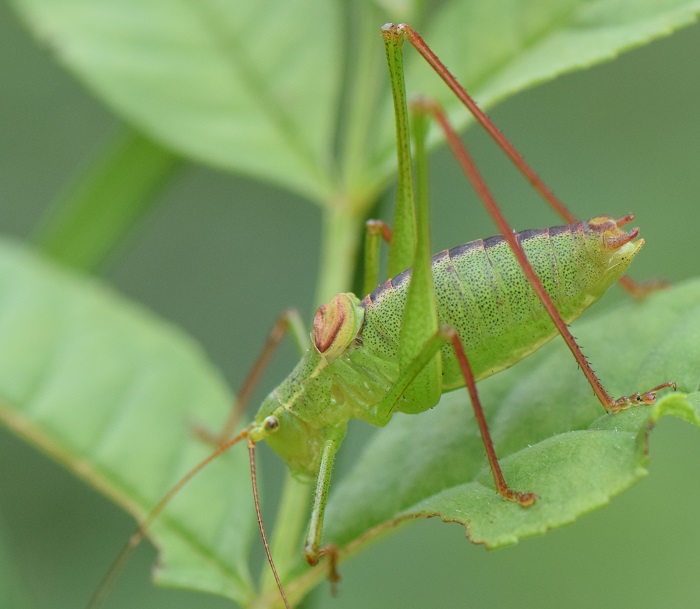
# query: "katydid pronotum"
[[446, 322]]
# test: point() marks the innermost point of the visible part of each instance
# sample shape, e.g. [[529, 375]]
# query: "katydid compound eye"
[[271, 424]]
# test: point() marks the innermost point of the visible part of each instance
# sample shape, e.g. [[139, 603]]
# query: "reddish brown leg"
[[641, 289], [636, 290], [524, 499], [470, 170], [287, 321], [331, 552], [378, 228]]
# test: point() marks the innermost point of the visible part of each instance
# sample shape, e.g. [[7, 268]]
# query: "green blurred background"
[[621, 137]]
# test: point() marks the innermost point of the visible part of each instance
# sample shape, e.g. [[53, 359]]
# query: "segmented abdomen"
[[482, 292]]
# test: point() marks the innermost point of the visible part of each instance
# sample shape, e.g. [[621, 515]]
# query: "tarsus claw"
[[637, 399]]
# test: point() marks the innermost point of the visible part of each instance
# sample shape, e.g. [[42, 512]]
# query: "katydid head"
[[294, 418], [289, 436]]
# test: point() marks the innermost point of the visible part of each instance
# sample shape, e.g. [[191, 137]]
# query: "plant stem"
[[339, 244], [117, 188]]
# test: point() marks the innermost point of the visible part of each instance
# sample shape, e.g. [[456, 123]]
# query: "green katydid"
[[446, 322]]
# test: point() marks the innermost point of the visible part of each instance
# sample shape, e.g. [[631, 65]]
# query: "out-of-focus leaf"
[[12, 591], [112, 392], [256, 87]]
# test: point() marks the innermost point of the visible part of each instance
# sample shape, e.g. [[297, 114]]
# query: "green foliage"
[[111, 391], [12, 589], [552, 435], [207, 79], [145, 377]]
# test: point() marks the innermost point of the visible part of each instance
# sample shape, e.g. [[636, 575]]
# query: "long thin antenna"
[[253, 478], [137, 537]]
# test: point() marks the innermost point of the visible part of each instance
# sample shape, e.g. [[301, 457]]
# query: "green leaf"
[[260, 88], [13, 591], [235, 84], [112, 392], [550, 431]]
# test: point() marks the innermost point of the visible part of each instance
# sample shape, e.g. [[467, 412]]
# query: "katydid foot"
[[638, 399], [313, 556]]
